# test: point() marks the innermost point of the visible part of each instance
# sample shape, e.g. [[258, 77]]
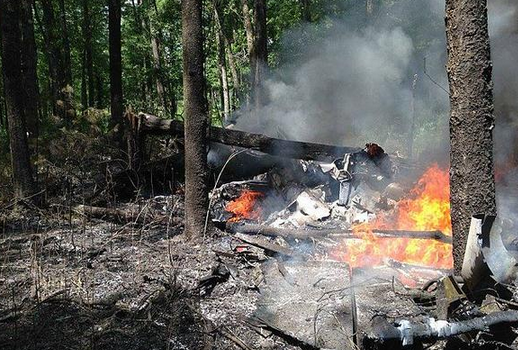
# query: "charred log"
[[266, 245], [337, 233], [152, 125]]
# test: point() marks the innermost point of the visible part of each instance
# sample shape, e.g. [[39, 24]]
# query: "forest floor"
[[67, 282]]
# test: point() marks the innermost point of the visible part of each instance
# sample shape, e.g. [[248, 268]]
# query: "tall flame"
[[245, 207], [427, 209]]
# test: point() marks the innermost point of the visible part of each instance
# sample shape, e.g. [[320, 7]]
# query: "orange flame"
[[427, 209], [245, 207]]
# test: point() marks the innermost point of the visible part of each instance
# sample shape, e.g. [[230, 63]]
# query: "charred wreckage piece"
[[407, 332], [342, 170]]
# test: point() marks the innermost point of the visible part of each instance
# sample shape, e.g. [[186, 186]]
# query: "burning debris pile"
[[366, 240], [358, 197]]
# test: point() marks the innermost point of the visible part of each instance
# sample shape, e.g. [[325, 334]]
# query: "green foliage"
[[161, 19]]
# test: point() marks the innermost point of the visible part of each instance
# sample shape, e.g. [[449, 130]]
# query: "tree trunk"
[[369, 7], [29, 69], [157, 69], [87, 35], [55, 68], [84, 92], [11, 13], [471, 121], [249, 30], [196, 119], [230, 60], [67, 63], [306, 10], [220, 41], [259, 59], [157, 64], [236, 84], [116, 68], [99, 97]]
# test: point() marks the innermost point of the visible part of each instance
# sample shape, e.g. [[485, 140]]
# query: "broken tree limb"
[[262, 243], [153, 125], [336, 233]]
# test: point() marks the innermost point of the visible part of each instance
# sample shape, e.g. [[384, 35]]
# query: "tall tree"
[[233, 98], [114, 25], [249, 30], [53, 52], [196, 118], [29, 68], [259, 57], [10, 21], [88, 70], [306, 9], [58, 53], [161, 84], [471, 120], [67, 62], [369, 7], [222, 64]]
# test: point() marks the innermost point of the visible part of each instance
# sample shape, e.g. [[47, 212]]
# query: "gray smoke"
[[348, 83], [339, 93], [503, 28]]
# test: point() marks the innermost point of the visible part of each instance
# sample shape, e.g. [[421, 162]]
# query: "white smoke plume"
[[353, 83]]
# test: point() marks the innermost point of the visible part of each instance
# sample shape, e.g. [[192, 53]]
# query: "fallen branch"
[[335, 233], [227, 333], [262, 243], [153, 125], [259, 322]]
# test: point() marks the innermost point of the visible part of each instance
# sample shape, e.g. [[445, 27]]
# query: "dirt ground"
[[68, 282], [72, 282]]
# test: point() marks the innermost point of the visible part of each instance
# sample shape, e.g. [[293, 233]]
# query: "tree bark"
[[116, 68], [249, 29], [222, 64], [259, 57], [471, 120], [157, 68], [306, 10], [87, 35], [369, 7], [196, 119], [84, 91], [67, 63], [157, 64], [11, 14], [29, 69], [236, 84], [55, 68]]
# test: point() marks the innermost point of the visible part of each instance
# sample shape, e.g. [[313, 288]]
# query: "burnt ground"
[[74, 283], [71, 282]]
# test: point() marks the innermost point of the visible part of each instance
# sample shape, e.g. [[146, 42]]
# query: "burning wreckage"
[[360, 249]]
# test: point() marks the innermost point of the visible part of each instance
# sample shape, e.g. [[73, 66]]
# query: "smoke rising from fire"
[[503, 28], [349, 82], [338, 93]]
